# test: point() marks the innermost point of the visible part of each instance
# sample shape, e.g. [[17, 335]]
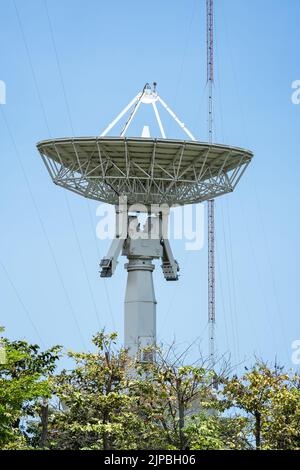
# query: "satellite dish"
[[147, 171]]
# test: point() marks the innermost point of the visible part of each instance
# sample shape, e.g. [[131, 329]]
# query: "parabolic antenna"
[[146, 171], [149, 172]]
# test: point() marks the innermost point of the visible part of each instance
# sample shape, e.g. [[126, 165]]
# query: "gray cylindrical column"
[[140, 306]]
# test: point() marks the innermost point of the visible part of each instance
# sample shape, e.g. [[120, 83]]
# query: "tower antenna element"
[[211, 202]]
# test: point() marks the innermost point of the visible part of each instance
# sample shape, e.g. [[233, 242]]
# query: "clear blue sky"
[[107, 51]]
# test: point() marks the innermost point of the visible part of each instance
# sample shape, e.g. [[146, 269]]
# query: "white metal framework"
[[146, 171], [150, 96]]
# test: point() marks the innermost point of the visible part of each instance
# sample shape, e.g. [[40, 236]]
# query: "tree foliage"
[[24, 386], [270, 399], [109, 401]]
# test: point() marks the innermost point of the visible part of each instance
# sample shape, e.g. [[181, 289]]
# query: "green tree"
[[24, 386], [175, 391], [281, 431], [96, 409], [214, 432], [108, 401], [270, 400]]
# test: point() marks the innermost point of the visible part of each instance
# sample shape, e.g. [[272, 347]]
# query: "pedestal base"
[[140, 308]]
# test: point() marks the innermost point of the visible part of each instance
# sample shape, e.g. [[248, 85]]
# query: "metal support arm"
[[170, 266], [109, 263], [147, 96], [140, 248]]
